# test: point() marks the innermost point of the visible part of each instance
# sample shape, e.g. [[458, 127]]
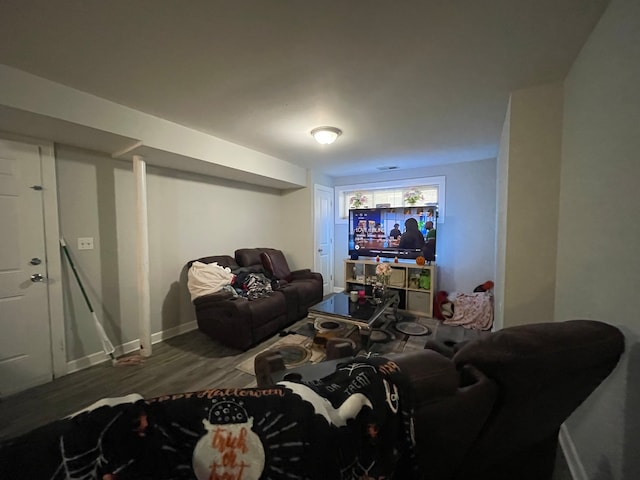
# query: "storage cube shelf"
[[415, 296]]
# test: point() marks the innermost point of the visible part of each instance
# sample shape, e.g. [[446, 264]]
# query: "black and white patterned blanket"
[[356, 423]]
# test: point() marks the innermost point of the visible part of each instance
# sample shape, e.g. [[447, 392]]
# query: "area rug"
[[295, 350]]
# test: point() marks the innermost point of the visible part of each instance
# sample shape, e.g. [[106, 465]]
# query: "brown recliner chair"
[[449, 408], [302, 288], [235, 321], [240, 323], [544, 372], [491, 408]]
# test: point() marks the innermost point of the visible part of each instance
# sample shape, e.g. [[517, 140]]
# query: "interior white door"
[[25, 336], [323, 226]]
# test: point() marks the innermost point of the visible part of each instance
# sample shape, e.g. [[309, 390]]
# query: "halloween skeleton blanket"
[[353, 424]]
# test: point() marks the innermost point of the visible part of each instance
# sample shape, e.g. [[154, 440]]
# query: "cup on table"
[[361, 294], [353, 295]]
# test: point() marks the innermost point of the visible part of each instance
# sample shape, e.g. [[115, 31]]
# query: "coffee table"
[[334, 313], [367, 318], [364, 313]]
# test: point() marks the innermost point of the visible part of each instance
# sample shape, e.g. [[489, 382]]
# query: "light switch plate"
[[85, 243]]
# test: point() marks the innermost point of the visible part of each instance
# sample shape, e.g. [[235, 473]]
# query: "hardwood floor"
[[189, 362]]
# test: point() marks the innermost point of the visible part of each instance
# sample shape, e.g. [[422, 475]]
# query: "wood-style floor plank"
[[188, 362]]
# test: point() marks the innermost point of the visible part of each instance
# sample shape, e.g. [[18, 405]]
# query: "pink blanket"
[[472, 310]]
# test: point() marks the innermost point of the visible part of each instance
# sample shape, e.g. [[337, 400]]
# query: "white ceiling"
[[411, 83]]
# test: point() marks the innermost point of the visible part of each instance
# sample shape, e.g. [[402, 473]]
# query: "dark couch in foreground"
[[240, 323], [491, 408], [492, 411]]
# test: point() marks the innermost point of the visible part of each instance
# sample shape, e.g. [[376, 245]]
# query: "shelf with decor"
[[415, 283]]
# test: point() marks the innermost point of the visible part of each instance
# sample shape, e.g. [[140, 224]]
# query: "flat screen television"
[[371, 232]]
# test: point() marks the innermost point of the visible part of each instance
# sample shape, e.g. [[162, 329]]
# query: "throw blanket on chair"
[[206, 278], [353, 424]]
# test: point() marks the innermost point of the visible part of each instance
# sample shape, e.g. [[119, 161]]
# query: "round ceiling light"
[[326, 135]]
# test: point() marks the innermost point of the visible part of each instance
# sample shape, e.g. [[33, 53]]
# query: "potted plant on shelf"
[[358, 200], [413, 196]]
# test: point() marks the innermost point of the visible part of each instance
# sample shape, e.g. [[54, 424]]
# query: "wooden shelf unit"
[[361, 274]]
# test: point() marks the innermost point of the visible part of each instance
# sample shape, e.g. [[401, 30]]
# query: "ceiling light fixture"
[[326, 135]]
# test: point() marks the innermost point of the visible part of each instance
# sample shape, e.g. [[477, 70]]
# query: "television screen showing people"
[[403, 232]]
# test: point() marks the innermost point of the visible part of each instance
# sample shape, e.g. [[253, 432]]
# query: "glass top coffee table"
[[364, 313]]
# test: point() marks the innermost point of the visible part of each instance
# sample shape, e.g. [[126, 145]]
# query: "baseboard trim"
[[125, 348], [571, 455]]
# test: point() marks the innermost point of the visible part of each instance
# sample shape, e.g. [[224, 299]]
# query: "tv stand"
[[361, 275]]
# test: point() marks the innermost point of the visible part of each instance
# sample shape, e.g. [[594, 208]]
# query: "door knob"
[[37, 277]]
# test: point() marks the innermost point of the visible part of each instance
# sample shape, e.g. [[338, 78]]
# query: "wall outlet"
[[85, 243]]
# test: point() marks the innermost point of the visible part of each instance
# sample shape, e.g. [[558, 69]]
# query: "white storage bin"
[[397, 278], [419, 302]]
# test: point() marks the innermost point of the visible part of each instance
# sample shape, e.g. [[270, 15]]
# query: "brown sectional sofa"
[[491, 408], [241, 323], [490, 412]]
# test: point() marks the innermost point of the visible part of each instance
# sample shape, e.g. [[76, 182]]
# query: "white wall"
[[502, 175], [192, 216], [189, 216], [296, 227], [466, 239], [598, 268], [42, 108], [528, 199]]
